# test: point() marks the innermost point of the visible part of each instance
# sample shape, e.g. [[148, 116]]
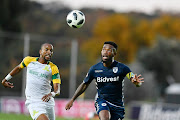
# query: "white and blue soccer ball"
[[75, 19]]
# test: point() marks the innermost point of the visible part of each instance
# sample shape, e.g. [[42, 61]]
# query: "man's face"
[[46, 51], [107, 53]]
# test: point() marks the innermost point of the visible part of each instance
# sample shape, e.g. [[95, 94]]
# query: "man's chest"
[[39, 70], [108, 75]]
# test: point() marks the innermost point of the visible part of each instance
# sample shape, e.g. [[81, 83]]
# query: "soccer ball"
[[75, 19]]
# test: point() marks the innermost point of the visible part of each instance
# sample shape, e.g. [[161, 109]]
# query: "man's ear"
[[40, 51], [114, 51]]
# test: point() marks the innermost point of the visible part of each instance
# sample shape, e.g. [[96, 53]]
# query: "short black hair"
[[111, 43]]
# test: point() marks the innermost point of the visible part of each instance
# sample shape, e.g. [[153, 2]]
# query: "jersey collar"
[[38, 59]]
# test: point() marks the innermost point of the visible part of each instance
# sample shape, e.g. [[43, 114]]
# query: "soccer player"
[[40, 73], [109, 75]]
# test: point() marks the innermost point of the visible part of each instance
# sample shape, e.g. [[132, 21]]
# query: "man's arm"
[[82, 87], [15, 71], [56, 89], [56, 92]]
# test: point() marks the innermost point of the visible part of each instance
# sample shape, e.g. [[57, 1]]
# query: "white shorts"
[[38, 108]]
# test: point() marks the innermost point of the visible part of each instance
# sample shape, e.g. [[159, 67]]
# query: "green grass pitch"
[[4, 116]]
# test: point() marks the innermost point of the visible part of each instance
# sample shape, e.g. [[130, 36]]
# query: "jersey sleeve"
[[127, 72], [55, 74], [89, 76], [26, 61]]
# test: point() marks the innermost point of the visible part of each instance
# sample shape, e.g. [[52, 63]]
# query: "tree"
[[128, 34], [10, 11], [161, 61], [167, 25]]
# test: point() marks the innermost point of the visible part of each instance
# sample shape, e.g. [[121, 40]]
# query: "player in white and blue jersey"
[[109, 75]]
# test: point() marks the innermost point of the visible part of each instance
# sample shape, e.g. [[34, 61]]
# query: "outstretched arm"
[[137, 80], [82, 87], [15, 71]]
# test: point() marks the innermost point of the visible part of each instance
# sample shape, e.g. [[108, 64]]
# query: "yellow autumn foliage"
[[129, 35]]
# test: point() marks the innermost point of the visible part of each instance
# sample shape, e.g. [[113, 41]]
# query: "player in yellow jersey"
[[40, 73]]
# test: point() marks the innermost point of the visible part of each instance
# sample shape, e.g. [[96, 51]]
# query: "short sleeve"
[[126, 70], [55, 74], [26, 61], [89, 76]]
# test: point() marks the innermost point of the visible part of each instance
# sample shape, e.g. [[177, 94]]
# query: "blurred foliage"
[[167, 25], [161, 60], [124, 31], [129, 34], [10, 12]]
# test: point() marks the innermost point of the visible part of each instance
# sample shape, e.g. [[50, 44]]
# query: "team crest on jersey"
[[115, 69], [34, 112], [46, 68]]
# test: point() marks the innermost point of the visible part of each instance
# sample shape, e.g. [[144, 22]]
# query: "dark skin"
[[108, 53], [46, 53]]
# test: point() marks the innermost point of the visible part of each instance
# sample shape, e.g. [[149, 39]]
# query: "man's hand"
[[7, 84], [137, 80], [47, 97], [69, 104]]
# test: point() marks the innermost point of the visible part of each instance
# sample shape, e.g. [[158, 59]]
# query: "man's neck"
[[108, 63], [42, 60]]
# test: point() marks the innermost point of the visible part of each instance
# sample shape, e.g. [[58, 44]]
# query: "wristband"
[[53, 94], [8, 77], [139, 84]]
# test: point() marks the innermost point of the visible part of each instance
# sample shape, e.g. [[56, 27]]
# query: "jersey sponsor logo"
[[98, 71], [115, 69], [38, 74], [106, 79]]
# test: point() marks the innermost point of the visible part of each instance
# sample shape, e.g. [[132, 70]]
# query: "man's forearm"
[[56, 90], [15, 71], [82, 87]]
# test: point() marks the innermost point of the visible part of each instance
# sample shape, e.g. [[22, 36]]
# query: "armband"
[[139, 84], [129, 75], [8, 77]]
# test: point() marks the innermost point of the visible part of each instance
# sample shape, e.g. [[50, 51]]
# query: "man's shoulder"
[[116, 63], [52, 64], [30, 59], [97, 65], [122, 67]]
